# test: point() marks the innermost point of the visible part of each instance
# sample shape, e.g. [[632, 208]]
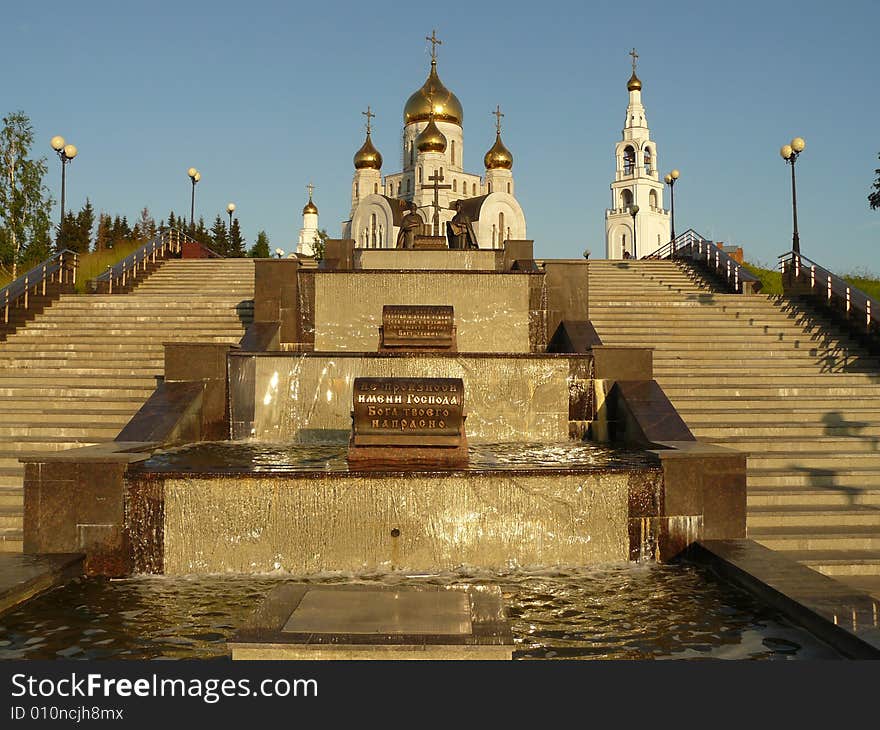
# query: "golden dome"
[[446, 106], [367, 156], [310, 207], [499, 156], [431, 139], [634, 84]]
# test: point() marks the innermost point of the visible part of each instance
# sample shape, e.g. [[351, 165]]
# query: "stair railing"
[[164, 244], [691, 246], [801, 276], [59, 269]]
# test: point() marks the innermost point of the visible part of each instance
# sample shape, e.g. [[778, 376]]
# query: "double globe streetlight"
[[230, 209], [670, 181], [194, 176], [789, 153], [66, 152]]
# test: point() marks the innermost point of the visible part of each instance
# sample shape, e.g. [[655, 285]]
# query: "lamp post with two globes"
[[194, 176], [66, 152], [789, 153], [670, 181]]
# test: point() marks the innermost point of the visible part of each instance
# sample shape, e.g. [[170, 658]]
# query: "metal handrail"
[[692, 246], [836, 293], [165, 243], [60, 269]]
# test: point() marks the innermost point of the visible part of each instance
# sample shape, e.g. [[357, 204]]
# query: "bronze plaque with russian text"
[[418, 327], [408, 412]]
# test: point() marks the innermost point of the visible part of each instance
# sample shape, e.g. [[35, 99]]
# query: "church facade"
[[433, 177], [636, 224]]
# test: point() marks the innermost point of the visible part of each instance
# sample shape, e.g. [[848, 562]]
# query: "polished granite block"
[[24, 576], [356, 621]]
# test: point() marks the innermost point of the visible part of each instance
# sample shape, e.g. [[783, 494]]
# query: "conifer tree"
[[260, 250], [219, 237], [103, 236], [236, 241]]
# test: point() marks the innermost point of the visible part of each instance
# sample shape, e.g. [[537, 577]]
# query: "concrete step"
[[103, 418], [783, 431], [800, 460], [813, 497], [11, 540], [33, 444], [87, 432], [710, 415], [824, 539], [12, 497], [79, 391], [801, 516], [844, 477], [805, 392], [844, 447], [838, 562]]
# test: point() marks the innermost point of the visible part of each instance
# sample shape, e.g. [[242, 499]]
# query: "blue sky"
[[264, 96]]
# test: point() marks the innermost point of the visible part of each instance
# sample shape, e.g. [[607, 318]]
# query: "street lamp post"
[[790, 154], [633, 210], [195, 176], [230, 209], [670, 181], [66, 152]]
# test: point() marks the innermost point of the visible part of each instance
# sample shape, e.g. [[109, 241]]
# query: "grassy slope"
[[772, 281], [90, 264]]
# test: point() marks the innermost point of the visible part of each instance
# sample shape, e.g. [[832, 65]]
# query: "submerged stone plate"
[[325, 611]]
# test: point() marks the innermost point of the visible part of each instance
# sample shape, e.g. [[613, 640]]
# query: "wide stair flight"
[[78, 372], [759, 374]]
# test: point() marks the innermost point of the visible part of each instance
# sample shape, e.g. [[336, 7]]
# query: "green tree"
[[103, 239], [219, 237], [319, 246], [24, 199], [874, 197], [260, 250], [145, 228], [236, 241]]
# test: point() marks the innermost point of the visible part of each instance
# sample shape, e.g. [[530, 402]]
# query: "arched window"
[[454, 185], [452, 149], [357, 190], [626, 198], [373, 231], [652, 198], [494, 236], [375, 187], [474, 189], [622, 244], [508, 188], [407, 185], [500, 229], [629, 160], [649, 164], [398, 188], [412, 155], [489, 187], [420, 173]]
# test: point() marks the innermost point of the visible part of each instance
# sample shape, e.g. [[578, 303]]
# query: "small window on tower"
[[474, 189], [649, 167], [508, 188], [452, 148], [375, 187], [454, 185]]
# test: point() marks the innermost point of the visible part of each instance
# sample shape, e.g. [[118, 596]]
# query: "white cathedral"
[[432, 179]]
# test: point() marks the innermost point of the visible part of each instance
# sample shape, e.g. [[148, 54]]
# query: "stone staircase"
[[760, 374], [76, 374]]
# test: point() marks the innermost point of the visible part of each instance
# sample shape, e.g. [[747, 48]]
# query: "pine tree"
[[24, 199], [85, 221], [103, 236], [874, 197], [68, 233], [219, 237], [145, 228], [260, 250], [236, 241]]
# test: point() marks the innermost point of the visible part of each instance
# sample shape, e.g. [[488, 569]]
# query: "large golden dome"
[[431, 139], [367, 156], [446, 106], [499, 156]]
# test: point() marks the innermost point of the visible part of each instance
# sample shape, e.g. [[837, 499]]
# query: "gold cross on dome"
[[435, 41], [310, 188], [634, 56], [497, 114], [369, 115]]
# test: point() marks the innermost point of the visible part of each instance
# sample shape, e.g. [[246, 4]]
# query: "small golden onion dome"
[[446, 106], [367, 157], [310, 207], [634, 84], [431, 139], [499, 157]]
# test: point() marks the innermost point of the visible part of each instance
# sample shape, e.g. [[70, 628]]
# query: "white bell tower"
[[308, 234], [636, 222]]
